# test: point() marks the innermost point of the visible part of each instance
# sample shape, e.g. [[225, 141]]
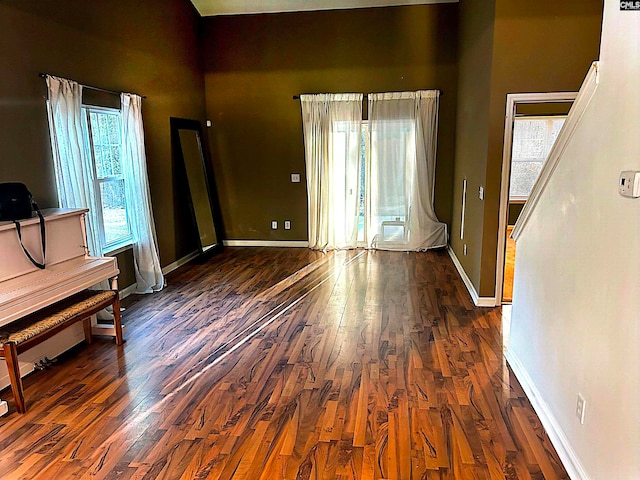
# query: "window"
[[533, 138], [394, 139], [104, 144], [364, 150]]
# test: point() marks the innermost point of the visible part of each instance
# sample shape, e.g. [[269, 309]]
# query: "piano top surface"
[[47, 213], [68, 271]]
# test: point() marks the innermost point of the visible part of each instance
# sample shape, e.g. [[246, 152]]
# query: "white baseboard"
[[178, 263], [557, 436], [477, 300], [4, 407], [124, 293], [266, 243]]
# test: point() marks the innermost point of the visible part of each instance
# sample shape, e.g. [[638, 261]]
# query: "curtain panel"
[[74, 175], [401, 172], [75, 180], [332, 139], [147, 267]]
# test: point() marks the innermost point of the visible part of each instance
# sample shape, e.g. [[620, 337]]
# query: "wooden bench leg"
[[117, 320], [11, 356], [86, 324]]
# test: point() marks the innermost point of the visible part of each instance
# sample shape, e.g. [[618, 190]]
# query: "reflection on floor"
[[282, 364], [509, 263]]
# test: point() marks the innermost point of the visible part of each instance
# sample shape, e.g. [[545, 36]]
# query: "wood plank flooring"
[[509, 266], [288, 364]]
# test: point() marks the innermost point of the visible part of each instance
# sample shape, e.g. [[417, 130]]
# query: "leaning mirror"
[[188, 137]]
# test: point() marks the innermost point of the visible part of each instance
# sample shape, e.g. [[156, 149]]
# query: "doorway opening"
[[533, 122]]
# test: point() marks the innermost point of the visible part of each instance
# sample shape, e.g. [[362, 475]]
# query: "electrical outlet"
[[274, 224], [581, 405], [464, 249], [287, 224], [4, 408], [295, 178]]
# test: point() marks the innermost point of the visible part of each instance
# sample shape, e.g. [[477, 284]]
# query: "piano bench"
[[19, 336]]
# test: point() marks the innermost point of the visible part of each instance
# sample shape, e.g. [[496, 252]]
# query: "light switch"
[[295, 178], [629, 184], [481, 192]]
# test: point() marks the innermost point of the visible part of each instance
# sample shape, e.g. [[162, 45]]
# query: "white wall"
[[575, 324]]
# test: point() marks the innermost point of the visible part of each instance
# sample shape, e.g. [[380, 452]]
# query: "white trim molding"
[[567, 455], [588, 88], [478, 301], [125, 292], [266, 243], [513, 100], [178, 263]]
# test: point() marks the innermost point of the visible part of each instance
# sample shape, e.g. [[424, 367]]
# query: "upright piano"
[[70, 269]]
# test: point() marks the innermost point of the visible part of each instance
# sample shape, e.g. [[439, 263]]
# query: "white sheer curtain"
[[332, 138], [401, 172], [147, 267], [74, 175]]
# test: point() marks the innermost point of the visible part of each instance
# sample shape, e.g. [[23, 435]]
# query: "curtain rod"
[[297, 97], [91, 87]]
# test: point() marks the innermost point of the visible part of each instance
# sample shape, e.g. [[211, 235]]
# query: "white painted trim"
[[124, 293], [266, 243], [513, 99], [557, 436], [588, 88], [478, 301], [178, 263]]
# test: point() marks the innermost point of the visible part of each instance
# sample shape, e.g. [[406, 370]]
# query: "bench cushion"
[[57, 314]]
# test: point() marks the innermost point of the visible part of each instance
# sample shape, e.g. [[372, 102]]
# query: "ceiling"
[[238, 7]]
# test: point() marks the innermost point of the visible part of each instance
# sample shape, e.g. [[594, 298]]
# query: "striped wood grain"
[[288, 364]]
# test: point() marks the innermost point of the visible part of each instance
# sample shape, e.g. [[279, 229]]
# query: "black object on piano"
[[16, 203]]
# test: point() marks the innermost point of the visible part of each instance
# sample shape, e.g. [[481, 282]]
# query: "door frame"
[[513, 99]]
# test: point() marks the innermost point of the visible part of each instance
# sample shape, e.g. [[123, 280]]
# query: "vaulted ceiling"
[[239, 7]]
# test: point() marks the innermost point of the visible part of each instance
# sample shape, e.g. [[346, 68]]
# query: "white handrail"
[[578, 108]]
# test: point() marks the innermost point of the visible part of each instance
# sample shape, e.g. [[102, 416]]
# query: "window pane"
[[529, 140], [533, 139], [107, 151], [392, 139], [523, 177], [104, 136], [114, 130], [116, 165], [114, 211], [362, 169], [93, 117], [99, 159]]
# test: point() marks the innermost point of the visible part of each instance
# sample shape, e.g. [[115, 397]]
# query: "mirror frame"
[[176, 125]]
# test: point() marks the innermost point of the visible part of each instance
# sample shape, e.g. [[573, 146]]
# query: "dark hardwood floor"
[[287, 363]]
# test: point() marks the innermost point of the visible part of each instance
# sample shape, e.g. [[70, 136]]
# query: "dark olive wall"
[[474, 85], [249, 67], [254, 64], [148, 47], [541, 46]]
